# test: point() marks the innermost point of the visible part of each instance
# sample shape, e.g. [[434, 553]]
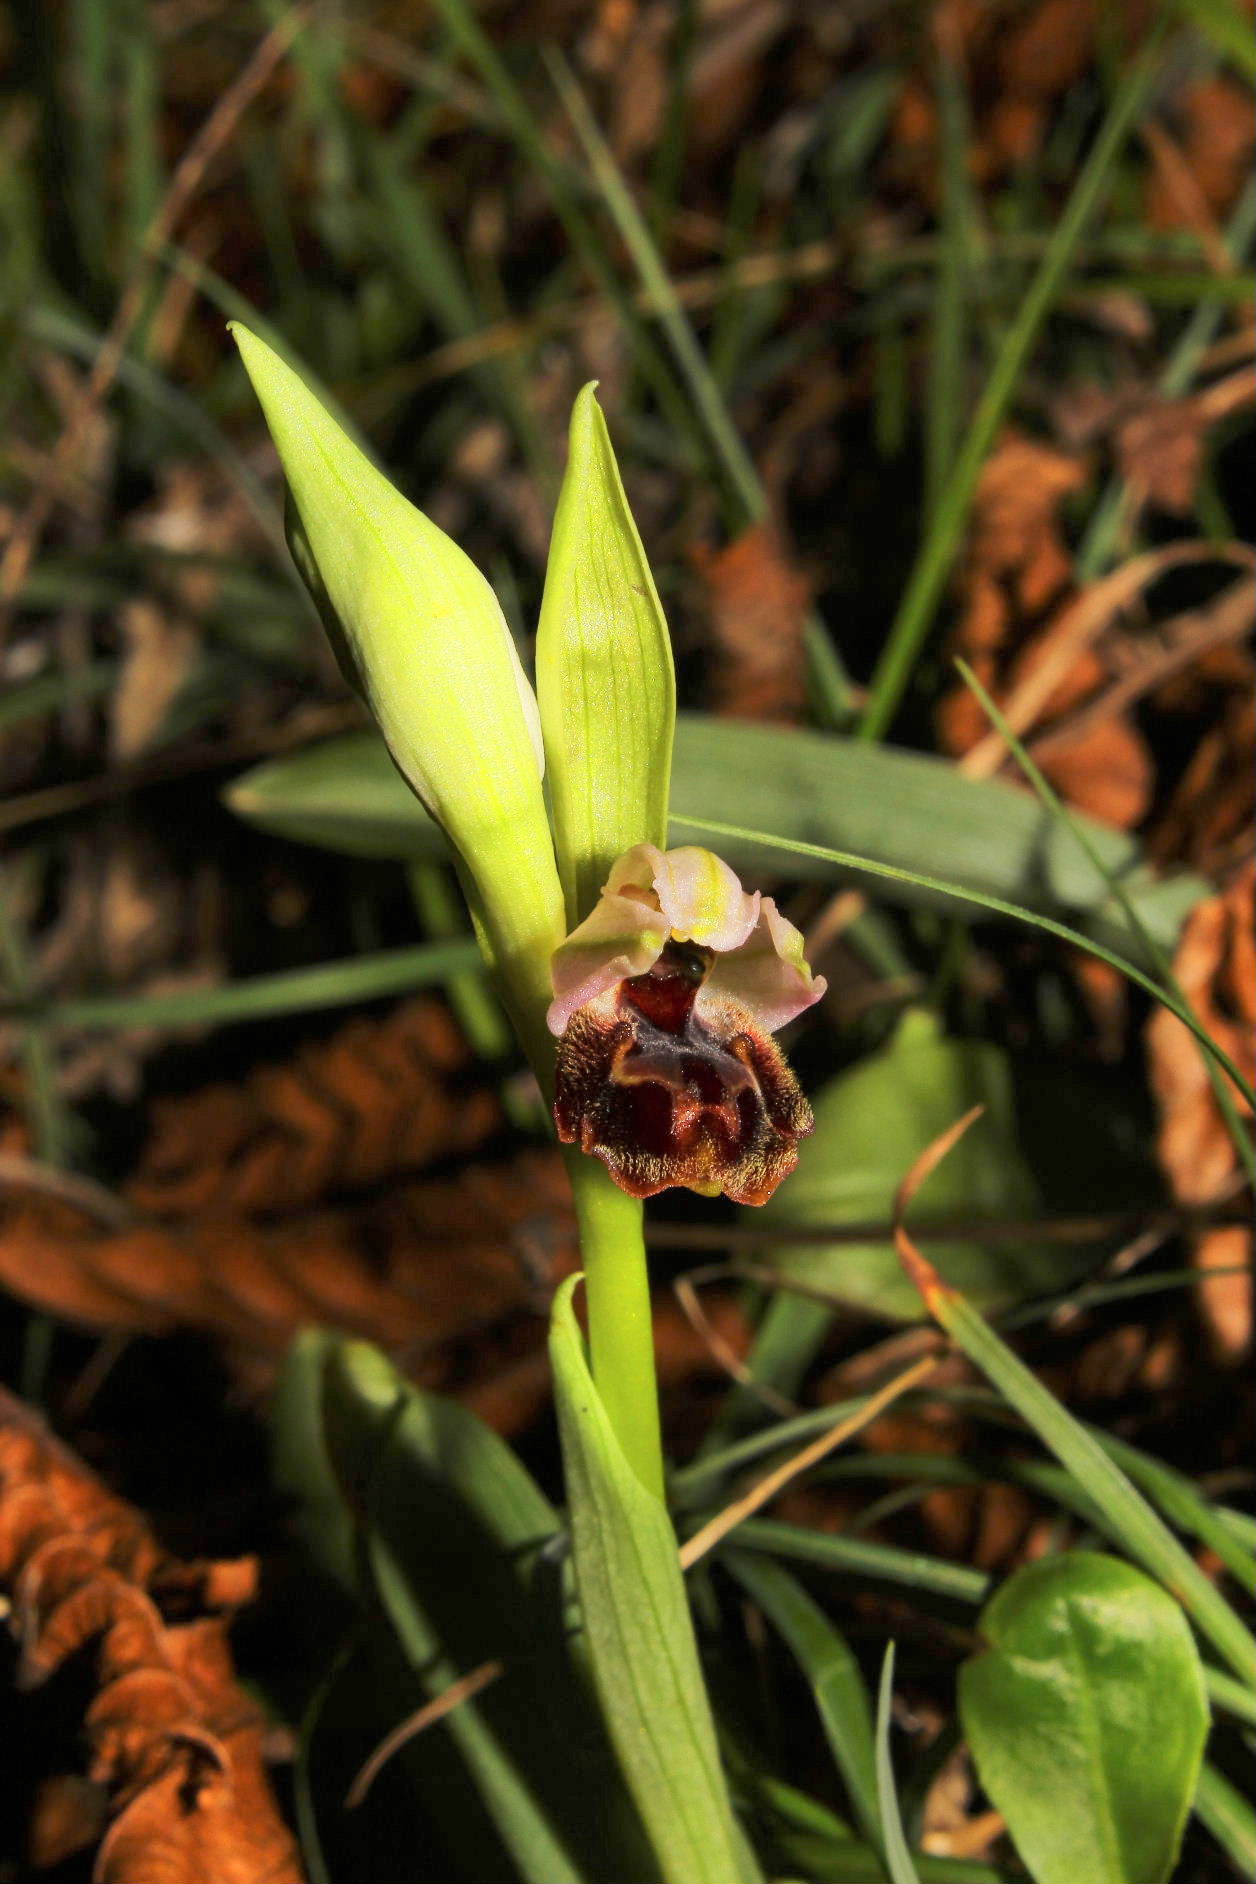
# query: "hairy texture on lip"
[[665, 1095]]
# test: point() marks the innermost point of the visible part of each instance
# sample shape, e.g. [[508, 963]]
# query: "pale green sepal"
[[604, 675], [640, 1635], [439, 670]]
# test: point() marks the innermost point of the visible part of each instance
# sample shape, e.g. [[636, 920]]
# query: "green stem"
[[621, 1329]]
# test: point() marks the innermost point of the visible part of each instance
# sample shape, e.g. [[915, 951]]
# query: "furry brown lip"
[[666, 1097]]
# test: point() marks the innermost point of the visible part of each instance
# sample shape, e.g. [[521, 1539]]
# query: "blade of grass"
[[933, 563], [47, 692], [1103, 532], [669, 156], [848, 1556], [833, 1673], [263, 997], [469, 36], [141, 124], [1141, 1532], [1057, 809], [1228, 1816], [70, 335], [859, 1556], [1227, 28], [949, 339], [737, 470], [898, 1858], [848, 861]]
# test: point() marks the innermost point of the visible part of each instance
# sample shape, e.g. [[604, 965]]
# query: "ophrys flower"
[[665, 1000]]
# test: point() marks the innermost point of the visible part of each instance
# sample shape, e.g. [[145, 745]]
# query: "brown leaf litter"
[[420, 1269], [1016, 585], [755, 600], [1216, 966], [176, 1779], [378, 1098]]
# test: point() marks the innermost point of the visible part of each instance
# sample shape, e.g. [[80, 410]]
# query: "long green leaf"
[[906, 809], [458, 1542], [898, 1858], [1141, 1532], [294, 991], [999, 907], [1139, 934], [840, 1696], [639, 1633], [1228, 1816]]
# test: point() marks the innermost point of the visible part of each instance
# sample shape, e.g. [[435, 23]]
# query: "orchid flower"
[[665, 1001], [670, 983]]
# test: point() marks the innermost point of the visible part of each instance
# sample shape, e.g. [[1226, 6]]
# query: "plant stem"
[[621, 1329]]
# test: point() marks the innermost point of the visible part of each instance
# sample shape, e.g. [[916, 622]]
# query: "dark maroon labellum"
[[664, 1095]]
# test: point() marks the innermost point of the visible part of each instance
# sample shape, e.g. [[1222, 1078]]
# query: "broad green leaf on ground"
[[463, 1555], [907, 809], [637, 1625], [1086, 1715], [872, 1123]]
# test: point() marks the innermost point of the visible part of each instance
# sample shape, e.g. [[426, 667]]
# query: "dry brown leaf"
[[1017, 586], [175, 1743], [1216, 967], [417, 1269], [756, 602], [1216, 127], [378, 1098], [1208, 819]]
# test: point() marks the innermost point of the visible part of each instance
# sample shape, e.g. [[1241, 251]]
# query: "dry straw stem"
[[189, 174], [767, 1488], [922, 1272], [1078, 627], [685, 1290], [1179, 643], [464, 1689]]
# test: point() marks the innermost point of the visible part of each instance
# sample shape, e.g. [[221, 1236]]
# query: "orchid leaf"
[[639, 1634], [906, 809]]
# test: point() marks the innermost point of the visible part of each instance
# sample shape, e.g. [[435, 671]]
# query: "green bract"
[[604, 673], [439, 670]]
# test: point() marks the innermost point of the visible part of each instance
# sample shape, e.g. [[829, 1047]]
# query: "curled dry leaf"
[[756, 603], [175, 1743], [421, 1269], [378, 1098], [1216, 966], [1215, 124], [1208, 819]]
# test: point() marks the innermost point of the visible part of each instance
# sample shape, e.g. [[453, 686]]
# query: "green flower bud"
[[439, 669]]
